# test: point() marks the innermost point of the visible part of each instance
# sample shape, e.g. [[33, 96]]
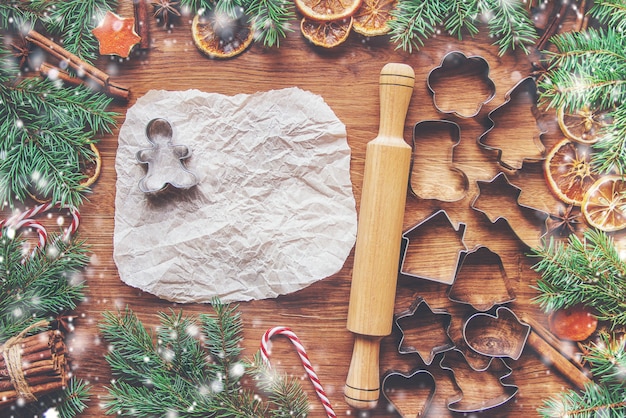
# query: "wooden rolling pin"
[[379, 235]]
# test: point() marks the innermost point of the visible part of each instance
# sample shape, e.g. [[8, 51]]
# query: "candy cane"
[[36, 210], [304, 358]]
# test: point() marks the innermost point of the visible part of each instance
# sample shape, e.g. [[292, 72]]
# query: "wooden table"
[[347, 78]]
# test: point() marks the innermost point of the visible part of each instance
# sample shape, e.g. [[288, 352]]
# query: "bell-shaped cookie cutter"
[[507, 154], [498, 335], [164, 160], [435, 176], [420, 241], [403, 390], [454, 71], [481, 267], [429, 328]]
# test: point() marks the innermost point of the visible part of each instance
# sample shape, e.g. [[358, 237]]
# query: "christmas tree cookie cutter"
[[436, 177], [515, 139], [164, 160], [499, 335], [457, 69], [433, 234], [481, 390], [481, 267], [410, 394], [424, 331], [499, 199]]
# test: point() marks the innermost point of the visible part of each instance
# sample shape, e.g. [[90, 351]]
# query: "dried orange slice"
[[604, 205], [372, 17], [91, 168], [220, 36], [116, 35], [583, 125], [326, 34], [326, 10], [568, 171]]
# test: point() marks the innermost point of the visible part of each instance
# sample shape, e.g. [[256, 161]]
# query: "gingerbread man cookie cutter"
[[164, 160]]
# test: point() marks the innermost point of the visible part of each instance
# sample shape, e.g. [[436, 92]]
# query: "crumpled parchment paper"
[[273, 211]]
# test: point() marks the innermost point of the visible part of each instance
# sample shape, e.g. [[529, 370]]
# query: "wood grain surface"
[[347, 78]]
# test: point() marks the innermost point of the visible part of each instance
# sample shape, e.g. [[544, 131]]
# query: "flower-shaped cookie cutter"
[[410, 394], [499, 199], [481, 267], [515, 142], [498, 335], [164, 160], [456, 70], [433, 234], [433, 174], [424, 331]]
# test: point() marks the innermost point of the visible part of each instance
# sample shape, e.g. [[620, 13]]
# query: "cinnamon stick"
[[141, 22], [551, 339], [48, 70], [74, 61], [32, 366], [98, 76], [554, 358]]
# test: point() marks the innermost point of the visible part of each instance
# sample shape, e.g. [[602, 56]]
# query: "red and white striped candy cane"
[[39, 209], [304, 358]]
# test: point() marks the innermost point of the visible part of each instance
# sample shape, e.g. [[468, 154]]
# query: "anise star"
[[164, 8], [21, 50], [116, 35], [565, 222]]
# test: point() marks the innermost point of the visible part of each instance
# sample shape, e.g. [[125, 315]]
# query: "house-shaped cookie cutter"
[[432, 235]]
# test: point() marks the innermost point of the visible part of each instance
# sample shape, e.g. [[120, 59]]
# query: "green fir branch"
[[74, 399], [509, 23], [39, 286], [611, 13], [587, 271], [461, 18], [270, 20], [607, 358], [189, 368], [594, 401], [414, 21]]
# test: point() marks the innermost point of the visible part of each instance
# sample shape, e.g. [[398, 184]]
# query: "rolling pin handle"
[[363, 384]]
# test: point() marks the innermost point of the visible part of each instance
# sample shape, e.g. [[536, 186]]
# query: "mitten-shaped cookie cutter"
[[164, 160]]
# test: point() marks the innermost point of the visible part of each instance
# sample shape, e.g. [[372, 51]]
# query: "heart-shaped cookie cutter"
[[400, 391]]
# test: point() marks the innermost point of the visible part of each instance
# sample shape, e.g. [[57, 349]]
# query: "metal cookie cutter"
[[499, 199], [164, 160], [457, 69], [424, 331], [481, 390], [410, 394], [515, 141], [481, 268], [433, 235], [433, 144], [499, 335]]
